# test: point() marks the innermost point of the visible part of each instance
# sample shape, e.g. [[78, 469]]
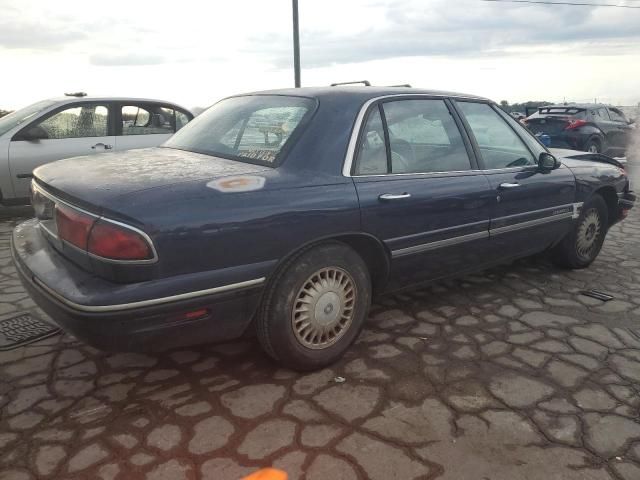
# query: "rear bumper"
[[149, 325]]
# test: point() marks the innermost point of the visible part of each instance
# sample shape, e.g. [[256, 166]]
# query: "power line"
[[573, 4]]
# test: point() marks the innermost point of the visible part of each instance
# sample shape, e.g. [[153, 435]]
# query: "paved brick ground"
[[507, 375]]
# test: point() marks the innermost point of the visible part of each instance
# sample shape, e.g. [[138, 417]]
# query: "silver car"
[[78, 125]]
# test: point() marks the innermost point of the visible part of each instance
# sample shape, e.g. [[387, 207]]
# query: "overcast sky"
[[195, 53]]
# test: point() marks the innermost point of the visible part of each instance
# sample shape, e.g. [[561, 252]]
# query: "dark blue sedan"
[[285, 211]]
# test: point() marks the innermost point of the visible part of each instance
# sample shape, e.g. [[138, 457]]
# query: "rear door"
[[73, 130], [532, 209], [420, 190], [147, 124]]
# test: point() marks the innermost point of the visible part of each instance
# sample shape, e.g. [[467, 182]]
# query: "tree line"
[[523, 107]]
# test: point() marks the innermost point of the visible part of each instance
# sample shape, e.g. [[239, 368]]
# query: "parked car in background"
[[517, 115], [591, 128], [287, 210], [78, 125]]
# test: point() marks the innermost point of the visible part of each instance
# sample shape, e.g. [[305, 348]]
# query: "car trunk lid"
[[550, 124], [95, 182]]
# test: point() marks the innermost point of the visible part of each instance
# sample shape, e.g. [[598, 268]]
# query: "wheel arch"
[[375, 255], [608, 193]]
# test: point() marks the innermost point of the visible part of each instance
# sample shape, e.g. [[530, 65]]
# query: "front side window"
[[147, 120], [254, 128], [499, 145], [532, 142], [88, 120]]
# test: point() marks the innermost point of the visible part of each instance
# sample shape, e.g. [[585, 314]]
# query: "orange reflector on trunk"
[[267, 474]]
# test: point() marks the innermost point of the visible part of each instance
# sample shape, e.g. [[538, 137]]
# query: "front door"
[[620, 130], [532, 208], [420, 190], [78, 129]]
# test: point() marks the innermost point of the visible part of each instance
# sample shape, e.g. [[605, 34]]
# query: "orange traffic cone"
[[267, 474]]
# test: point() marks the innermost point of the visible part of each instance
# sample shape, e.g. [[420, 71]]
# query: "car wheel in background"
[[315, 307], [593, 146], [583, 243]]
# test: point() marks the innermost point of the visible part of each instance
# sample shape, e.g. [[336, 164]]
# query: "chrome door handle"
[[394, 196], [105, 145], [504, 186]]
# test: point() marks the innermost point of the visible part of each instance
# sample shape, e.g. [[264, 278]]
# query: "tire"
[[582, 244], [593, 145], [329, 287]]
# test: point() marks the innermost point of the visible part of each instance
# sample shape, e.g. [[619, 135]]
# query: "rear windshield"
[[254, 129], [560, 111]]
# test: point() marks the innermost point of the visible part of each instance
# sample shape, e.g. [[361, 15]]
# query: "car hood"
[[577, 159], [97, 180]]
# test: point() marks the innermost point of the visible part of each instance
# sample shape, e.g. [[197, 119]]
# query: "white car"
[[78, 125]]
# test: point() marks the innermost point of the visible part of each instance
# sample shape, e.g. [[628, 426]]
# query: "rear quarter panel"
[[200, 227], [592, 176]]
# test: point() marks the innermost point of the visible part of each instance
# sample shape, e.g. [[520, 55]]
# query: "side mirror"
[[33, 134], [631, 121], [547, 162]]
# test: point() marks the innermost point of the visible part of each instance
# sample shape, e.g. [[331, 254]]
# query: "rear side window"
[[372, 152], [422, 135], [255, 128], [181, 119], [499, 145], [616, 115], [147, 120]]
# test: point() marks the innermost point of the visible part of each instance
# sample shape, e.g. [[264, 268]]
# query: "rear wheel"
[[593, 146], [582, 245], [315, 307]]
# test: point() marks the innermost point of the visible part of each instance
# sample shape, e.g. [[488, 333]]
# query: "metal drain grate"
[[23, 329]]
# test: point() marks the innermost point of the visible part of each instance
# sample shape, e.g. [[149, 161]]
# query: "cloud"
[[408, 29], [36, 35], [127, 59]]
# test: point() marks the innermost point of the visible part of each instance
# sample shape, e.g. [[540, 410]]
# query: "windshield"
[[20, 116], [254, 128]]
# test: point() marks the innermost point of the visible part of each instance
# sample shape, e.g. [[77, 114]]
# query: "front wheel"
[[582, 244], [315, 307]]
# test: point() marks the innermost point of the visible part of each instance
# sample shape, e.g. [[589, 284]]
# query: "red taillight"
[[112, 241], [73, 226], [573, 124]]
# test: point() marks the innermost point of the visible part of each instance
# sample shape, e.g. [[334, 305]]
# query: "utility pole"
[[296, 44]]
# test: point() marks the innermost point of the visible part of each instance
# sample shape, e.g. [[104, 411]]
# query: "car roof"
[[74, 99], [360, 93]]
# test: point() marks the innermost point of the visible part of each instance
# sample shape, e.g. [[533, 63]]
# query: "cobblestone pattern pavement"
[[506, 375]]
